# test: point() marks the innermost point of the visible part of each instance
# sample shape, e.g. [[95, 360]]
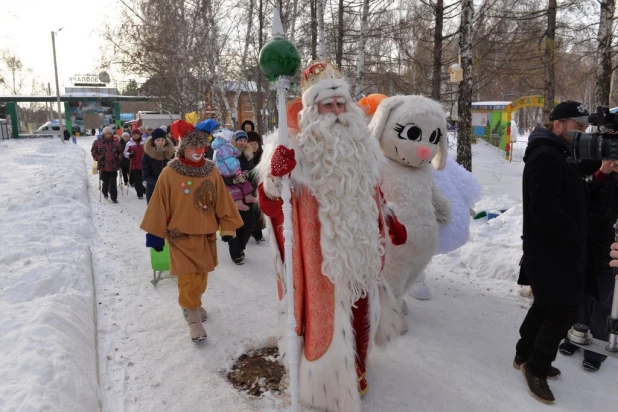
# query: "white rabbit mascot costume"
[[432, 195]]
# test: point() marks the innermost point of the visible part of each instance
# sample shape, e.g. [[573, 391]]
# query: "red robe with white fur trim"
[[316, 308]]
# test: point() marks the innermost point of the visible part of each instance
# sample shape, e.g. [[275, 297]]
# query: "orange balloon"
[[293, 108], [370, 103]]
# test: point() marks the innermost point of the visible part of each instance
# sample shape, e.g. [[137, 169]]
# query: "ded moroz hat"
[[322, 80]]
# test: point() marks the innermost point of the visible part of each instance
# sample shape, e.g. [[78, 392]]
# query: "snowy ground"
[[47, 335], [457, 355]]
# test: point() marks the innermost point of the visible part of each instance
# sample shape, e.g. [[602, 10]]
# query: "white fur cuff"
[[326, 89], [272, 188]]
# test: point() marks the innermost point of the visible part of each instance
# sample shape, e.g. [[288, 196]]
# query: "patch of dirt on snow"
[[258, 371]]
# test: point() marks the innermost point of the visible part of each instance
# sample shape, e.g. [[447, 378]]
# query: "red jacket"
[[136, 148]]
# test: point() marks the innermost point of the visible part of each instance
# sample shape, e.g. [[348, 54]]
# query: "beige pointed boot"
[[196, 330], [203, 314]]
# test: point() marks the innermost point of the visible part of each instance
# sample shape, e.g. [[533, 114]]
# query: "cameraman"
[[603, 201], [555, 234]]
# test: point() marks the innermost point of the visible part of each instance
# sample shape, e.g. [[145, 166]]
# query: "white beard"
[[342, 163]]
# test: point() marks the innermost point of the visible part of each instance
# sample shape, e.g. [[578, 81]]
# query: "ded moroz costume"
[[339, 231]]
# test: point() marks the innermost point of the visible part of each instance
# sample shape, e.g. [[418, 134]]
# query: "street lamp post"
[[53, 35]]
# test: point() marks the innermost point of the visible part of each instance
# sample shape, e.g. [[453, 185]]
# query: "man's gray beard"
[[341, 162]]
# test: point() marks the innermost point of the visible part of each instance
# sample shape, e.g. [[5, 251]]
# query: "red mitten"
[[270, 207], [282, 162], [396, 231]]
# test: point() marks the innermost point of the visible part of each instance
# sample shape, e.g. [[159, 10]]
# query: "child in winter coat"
[[158, 151], [134, 150], [189, 204], [226, 159]]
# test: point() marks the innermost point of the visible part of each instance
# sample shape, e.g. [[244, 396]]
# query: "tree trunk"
[[243, 65], [314, 30], [360, 60], [260, 94], [604, 52], [217, 103], [339, 51], [464, 100], [292, 22], [321, 44], [437, 51], [550, 60]]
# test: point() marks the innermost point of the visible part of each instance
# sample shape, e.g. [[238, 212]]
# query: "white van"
[[53, 128], [49, 128]]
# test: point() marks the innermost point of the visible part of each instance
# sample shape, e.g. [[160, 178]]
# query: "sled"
[[160, 262]]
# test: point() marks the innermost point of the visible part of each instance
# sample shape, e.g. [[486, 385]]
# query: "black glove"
[[131, 155], [227, 238], [158, 249]]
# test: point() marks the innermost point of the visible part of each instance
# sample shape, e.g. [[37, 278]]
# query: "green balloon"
[[279, 57]]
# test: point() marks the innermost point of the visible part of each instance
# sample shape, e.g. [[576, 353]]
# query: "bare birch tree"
[[604, 52], [360, 60], [464, 126], [550, 60], [436, 83]]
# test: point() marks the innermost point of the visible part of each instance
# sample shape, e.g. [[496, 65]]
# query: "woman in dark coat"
[[248, 126], [158, 151], [255, 141], [124, 164], [237, 245]]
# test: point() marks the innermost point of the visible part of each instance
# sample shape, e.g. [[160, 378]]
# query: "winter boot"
[[196, 330], [553, 373], [241, 206], [567, 348], [420, 291], [538, 386], [203, 314], [591, 365], [250, 199]]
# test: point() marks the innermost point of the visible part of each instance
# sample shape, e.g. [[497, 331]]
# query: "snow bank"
[[47, 321], [495, 246]]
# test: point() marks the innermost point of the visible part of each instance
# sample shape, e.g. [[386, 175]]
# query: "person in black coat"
[[158, 151], [603, 201], [248, 126], [243, 234], [555, 236], [124, 164], [255, 141]]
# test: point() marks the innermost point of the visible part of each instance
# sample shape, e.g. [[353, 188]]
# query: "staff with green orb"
[[279, 61]]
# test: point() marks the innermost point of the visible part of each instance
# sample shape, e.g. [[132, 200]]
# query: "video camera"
[[599, 145]]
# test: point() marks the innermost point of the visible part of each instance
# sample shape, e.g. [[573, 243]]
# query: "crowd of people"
[[139, 156]]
